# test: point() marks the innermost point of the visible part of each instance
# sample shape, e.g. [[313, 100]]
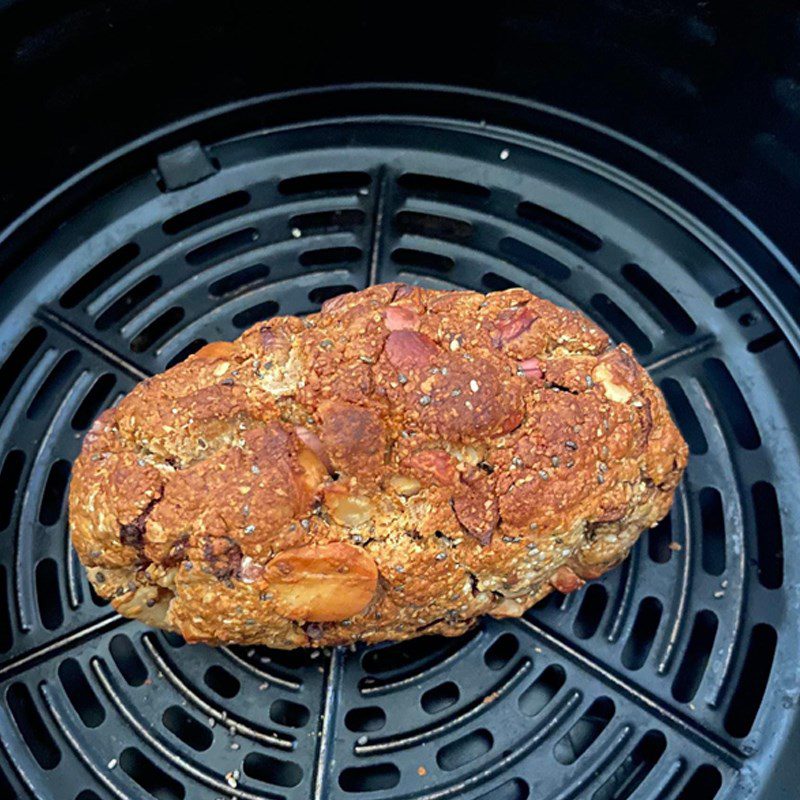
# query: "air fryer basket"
[[674, 676]]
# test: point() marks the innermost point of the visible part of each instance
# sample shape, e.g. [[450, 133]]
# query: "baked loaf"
[[400, 463]]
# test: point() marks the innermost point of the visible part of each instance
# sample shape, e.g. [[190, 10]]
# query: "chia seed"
[[570, 445], [425, 400], [99, 577], [589, 381], [326, 344], [227, 382], [150, 602], [555, 461], [306, 524], [543, 475], [601, 478], [249, 529], [401, 379], [455, 393], [441, 556], [254, 469]]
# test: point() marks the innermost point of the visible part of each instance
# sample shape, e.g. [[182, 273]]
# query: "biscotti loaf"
[[400, 463]]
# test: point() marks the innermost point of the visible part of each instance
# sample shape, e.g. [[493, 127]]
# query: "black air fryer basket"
[[173, 174]]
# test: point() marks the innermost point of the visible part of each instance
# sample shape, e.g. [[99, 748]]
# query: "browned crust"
[[402, 462]]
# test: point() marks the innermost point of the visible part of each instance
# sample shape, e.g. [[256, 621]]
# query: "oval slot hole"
[[51, 506], [465, 750], [730, 401], [422, 259], [662, 299], [292, 715], [10, 477], [129, 664], [32, 727], [123, 306], [256, 313], [52, 388], [99, 274], [769, 535], [433, 226], [21, 357], [590, 613], [752, 681], [539, 694], [548, 222], [94, 401], [324, 182], [502, 650], [585, 731], [704, 784], [695, 659], [630, 774], [620, 323], [644, 630], [374, 778], [157, 329], [204, 212], [713, 522], [533, 260], [369, 718], [239, 282], [440, 697], [187, 728], [222, 682], [48, 594], [80, 693], [151, 778], [221, 248], [684, 415]]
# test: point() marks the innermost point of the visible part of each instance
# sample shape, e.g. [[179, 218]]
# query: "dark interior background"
[[714, 85]]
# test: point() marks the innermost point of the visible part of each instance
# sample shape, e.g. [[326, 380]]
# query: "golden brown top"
[[403, 460]]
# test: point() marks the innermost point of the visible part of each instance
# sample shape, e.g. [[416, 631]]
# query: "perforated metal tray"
[[675, 676]]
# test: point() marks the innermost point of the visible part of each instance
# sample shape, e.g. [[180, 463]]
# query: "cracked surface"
[[404, 461]]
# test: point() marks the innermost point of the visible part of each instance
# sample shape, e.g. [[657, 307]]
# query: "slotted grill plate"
[[672, 677]]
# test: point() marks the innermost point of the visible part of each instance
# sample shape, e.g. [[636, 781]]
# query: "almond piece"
[[512, 323], [216, 350], [436, 466], [325, 583], [408, 350], [531, 368], [401, 318], [313, 443], [476, 509], [349, 510], [615, 392], [314, 471], [565, 580], [404, 485], [508, 607]]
